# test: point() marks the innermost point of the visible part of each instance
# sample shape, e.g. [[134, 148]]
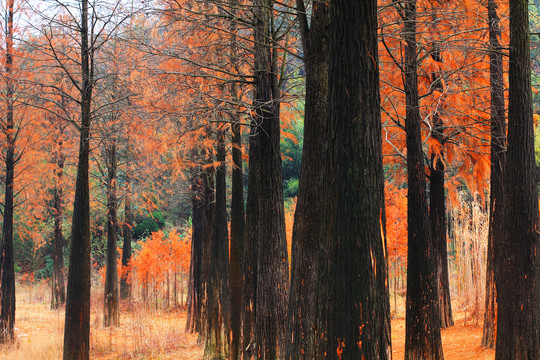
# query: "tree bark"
[[516, 259], [307, 229], [7, 261], [498, 157], [237, 241], [217, 301], [271, 247], [77, 318], [353, 299], [111, 314], [58, 289], [422, 323], [195, 272], [437, 214], [125, 285]]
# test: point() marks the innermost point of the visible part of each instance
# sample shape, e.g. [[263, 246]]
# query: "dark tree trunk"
[[271, 248], [217, 301], [7, 261], [125, 285], [353, 299], [422, 324], [309, 208], [58, 289], [77, 322], [437, 214], [111, 314], [517, 267], [250, 244], [195, 272], [238, 221], [498, 156], [237, 241]]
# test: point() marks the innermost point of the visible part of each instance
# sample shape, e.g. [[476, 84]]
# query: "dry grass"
[[159, 335], [142, 334]]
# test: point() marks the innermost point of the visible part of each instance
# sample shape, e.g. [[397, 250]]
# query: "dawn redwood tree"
[[353, 300], [77, 319], [7, 261], [517, 266], [125, 285], [218, 282], [193, 322], [422, 323], [309, 207], [498, 156], [266, 280], [58, 297], [111, 311]]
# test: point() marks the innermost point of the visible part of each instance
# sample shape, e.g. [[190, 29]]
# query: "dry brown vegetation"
[[157, 334]]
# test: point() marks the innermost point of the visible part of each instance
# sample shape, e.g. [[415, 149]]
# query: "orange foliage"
[[160, 255]]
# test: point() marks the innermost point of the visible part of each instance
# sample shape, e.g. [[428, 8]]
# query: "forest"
[[270, 179]]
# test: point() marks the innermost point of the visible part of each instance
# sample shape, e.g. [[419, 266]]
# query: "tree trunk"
[[195, 272], [58, 290], [354, 303], [217, 301], [437, 214], [498, 156], [111, 314], [125, 285], [237, 241], [7, 261], [307, 229], [77, 322], [516, 259], [271, 248], [422, 324]]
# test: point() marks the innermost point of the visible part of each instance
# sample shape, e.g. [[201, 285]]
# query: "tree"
[[353, 302], [77, 322], [7, 263], [309, 209], [423, 335], [125, 286], [498, 156], [111, 315], [58, 297], [516, 258]]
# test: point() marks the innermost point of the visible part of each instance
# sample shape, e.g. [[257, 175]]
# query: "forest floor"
[[159, 335]]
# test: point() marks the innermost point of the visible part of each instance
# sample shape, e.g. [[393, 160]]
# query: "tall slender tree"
[[422, 324], [517, 269], [498, 156], [7, 261], [77, 322], [309, 208], [111, 313], [353, 301]]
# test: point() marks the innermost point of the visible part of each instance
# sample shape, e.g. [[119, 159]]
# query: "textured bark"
[[237, 241], [271, 247], [498, 156], [125, 286], [437, 214], [218, 282], [77, 318], [111, 312], [250, 244], [309, 208], [353, 299], [58, 290], [7, 261], [195, 281], [422, 323], [516, 259]]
